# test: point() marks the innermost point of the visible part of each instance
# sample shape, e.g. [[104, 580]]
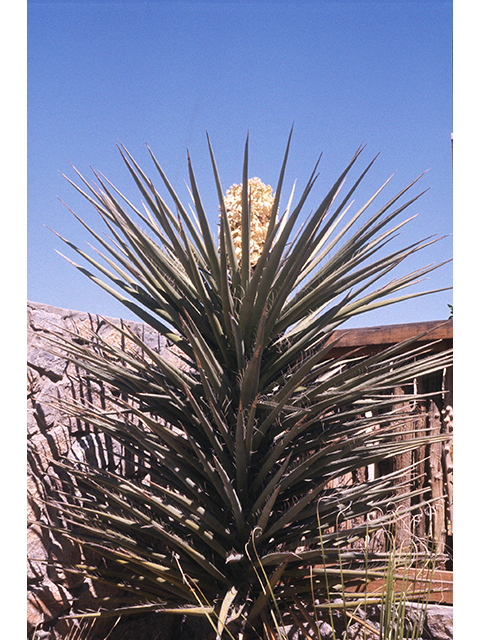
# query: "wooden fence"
[[434, 463]]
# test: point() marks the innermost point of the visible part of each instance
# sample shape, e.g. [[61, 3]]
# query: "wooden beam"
[[394, 333], [440, 585], [369, 340]]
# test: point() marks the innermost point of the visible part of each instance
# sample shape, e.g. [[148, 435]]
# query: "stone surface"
[[45, 602], [438, 623], [52, 591]]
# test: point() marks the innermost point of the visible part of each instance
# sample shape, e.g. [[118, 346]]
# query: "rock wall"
[[52, 592]]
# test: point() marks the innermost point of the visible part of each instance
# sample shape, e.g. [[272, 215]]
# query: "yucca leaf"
[[208, 429], [267, 510], [295, 261], [206, 359], [139, 515], [217, 480], [261, 601], [259, 272], [224, 609], [134, 308], [227, 249], [220, 417], [241, 471], [226, 294], [269, 489], [246, 220], [280, 399], [251, 425], [270, 272], [213, 261], [200, 512], [214, 323], [251, 375], [235, 503], [197, 238]]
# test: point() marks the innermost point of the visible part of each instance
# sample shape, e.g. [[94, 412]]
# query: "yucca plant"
[[240, 427]]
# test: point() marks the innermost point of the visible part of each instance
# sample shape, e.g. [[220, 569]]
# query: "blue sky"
[[345, 73]]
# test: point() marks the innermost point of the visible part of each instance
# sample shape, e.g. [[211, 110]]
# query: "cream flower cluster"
[[261, 199]]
